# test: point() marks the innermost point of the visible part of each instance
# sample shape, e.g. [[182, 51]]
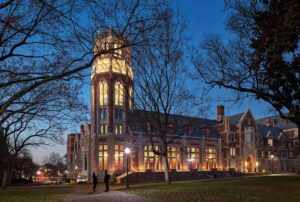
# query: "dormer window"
[[270, 142]]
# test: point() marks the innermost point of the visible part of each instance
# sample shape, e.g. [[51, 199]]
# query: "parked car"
[[82, 179]]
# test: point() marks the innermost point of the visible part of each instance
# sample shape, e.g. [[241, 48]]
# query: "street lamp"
[[127, 152], [257, 170], [272, 157]]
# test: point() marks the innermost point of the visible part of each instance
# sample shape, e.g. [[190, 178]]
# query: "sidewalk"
[[84, 193]]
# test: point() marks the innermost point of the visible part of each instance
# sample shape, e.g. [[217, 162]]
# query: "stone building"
[[238, 142]]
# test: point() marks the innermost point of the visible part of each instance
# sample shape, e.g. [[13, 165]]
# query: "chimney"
[[220, 112]]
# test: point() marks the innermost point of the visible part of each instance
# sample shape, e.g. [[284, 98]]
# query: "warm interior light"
[[272, 156], [190, 159]]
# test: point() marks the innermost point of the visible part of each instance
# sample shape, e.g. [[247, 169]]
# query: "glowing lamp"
[[127, 150]]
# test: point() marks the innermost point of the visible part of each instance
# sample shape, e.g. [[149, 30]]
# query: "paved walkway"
[[112, 196], [83, 193]]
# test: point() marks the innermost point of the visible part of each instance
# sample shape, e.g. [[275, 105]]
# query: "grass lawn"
[[33, 194], [267, 188]]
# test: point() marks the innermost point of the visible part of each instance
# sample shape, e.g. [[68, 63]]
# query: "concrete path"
[[112, 196]]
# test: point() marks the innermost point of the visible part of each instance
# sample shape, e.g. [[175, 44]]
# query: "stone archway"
[[250, 164]]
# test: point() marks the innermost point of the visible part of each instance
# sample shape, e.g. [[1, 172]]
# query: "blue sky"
[[203, 17]]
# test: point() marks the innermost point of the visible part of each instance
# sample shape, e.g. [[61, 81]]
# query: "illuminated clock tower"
[[112, 87], [111, 103]]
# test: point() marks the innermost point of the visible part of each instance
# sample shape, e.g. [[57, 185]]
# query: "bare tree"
[[40, 117], [45, 47], [262, 58], [56, 162], [161, 92]]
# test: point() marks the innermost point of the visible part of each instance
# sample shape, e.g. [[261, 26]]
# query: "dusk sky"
[[204, 17]]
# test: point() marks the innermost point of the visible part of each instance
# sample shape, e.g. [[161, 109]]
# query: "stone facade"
[[238, 142]]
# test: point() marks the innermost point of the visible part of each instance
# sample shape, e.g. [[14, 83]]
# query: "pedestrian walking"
[[95, 180], [106, 180]]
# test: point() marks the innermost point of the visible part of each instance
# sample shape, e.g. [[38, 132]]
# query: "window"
[[118, 114], [151, 160], [270, 142], [102, 65], [119, 94], [118, 129], [130, 98], [262, 154], [103, 129], [102, 157], [119, 157], [231, 137], [211, 153], [291, 154], [174, 158], [232, 151], [194, 157], [118, 52], [103, 93], [85, 162], [249, 135], [211, 158], [103, 113]]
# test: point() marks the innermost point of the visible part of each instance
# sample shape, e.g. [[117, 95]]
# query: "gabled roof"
[[266, 131], [236, 118], [280, 123], [200, 127]]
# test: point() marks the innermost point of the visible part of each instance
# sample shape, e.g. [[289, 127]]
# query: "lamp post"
[[272, 157], [127, 152]]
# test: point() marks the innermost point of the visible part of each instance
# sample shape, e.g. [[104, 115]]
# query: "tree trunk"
[[5, 178], [166, 168]]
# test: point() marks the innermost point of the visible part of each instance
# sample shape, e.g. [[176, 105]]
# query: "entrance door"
[[249, 164]]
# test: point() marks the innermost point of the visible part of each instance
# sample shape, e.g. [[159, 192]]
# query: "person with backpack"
[[106, 180]]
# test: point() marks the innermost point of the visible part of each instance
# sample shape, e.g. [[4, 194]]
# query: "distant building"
[[238, 142]]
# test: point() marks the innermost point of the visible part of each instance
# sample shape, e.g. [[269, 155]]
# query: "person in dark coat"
[[106, 180], [95, 180]]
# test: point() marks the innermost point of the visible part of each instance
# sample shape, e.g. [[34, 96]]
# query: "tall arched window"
[[119, 93], [103, 93], [130, 98]]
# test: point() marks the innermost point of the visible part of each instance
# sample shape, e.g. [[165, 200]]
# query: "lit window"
[[103, 93], [174, 158], [151, 161], [103, 157], [118, 129], [119, 157], [119, 94], [270, 142], [194, 157], [211, 153], [130, 98], [232, 151], [103, 129], [101, 65]]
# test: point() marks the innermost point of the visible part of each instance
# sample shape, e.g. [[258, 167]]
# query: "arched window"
[[103, 93], [130, 98], [119, 94]]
